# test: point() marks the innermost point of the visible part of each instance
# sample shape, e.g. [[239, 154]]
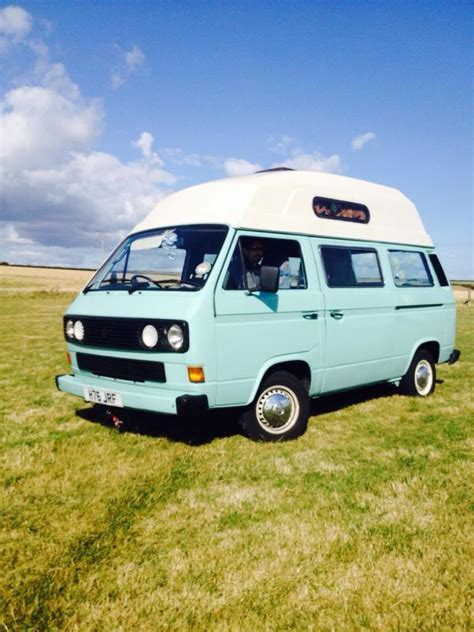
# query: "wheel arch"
[[432, 346], [434, 349], [297, 367]]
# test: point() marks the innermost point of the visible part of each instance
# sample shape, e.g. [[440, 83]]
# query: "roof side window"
[[351, 267], [327, 208], [410, 269]]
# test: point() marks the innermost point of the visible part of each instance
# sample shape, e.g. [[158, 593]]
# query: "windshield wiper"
[[105, 286]]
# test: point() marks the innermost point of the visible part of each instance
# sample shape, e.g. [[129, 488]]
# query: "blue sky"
[[108, 106]]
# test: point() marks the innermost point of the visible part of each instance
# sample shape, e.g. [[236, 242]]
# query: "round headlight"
[[70, 329], [175, 337], [79, 330], [149, 336]]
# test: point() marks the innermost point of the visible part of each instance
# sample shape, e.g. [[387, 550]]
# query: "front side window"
[[173, 258], [410, 269], [351, 267], [251, 253]]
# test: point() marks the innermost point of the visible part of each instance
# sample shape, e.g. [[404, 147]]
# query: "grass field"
[[363, 523]]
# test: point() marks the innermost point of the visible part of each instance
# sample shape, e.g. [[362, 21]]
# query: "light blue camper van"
[[261, 292]]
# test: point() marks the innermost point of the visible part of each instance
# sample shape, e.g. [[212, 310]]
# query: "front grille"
[[121, 368], [124, 333]]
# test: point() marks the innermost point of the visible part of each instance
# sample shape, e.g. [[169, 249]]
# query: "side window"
[[328, 208], [251, 253], [410, 269], [438, 268], [351, 267]]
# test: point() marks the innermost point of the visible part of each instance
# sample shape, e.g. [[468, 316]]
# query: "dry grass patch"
[[365, 522], [53, 280]]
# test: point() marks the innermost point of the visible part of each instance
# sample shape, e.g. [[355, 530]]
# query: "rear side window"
[[410, 269], [438, 268], [351, 267], [328, 208]]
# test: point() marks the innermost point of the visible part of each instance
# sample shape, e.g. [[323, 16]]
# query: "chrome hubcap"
[[423, 377], [277, 409]]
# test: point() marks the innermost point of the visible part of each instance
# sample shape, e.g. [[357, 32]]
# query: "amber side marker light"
[[68, 357], [196, 374]]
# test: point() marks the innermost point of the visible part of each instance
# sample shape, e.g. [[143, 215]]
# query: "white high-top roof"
[[283, 201]]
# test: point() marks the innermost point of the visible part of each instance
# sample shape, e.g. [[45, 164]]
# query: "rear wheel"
[[420, 379], [280, 411]]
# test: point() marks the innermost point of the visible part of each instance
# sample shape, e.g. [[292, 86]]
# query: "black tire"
[[420, 379], [280, 411]]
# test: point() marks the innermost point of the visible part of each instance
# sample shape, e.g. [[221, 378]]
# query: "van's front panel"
[[140, 340], [112, 357]]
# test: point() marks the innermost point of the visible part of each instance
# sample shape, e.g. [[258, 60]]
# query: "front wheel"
[[280, 411], [420, 379]]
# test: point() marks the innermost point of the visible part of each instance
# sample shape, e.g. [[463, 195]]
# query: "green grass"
[[363, 523]]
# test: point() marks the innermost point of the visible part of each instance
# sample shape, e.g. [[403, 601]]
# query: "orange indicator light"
[[68, 357], [196, 374]]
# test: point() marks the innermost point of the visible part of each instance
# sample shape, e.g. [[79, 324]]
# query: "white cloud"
[[15, 25], [145, 143], [359, 141], [312, 162], [61, 198], [64, 202], [294, 157], [134, 58], [55, 78], [130, 61], [177, 156], [90, 196], [9, 235], [240, 167], [40, 127], [117, 80], [280, 144]]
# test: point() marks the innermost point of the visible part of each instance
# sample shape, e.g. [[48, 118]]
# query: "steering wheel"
[[135, 279]]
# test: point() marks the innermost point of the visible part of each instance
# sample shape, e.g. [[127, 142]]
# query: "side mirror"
[[269, 279]]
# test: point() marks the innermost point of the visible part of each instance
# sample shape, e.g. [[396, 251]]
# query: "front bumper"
[[169, 402]]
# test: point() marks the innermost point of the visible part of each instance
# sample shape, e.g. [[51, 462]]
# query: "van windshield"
[[172, 258]]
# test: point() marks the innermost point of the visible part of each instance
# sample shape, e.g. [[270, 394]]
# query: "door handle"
[[336, 314], [312, 316]]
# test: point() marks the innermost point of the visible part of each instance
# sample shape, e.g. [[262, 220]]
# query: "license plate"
[[98, 396]]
